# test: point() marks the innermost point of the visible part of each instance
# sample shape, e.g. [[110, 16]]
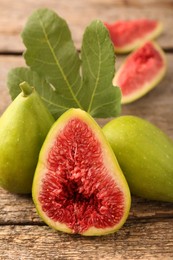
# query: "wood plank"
[[7, 63], [19, 209], [13, 19], [134, 241]]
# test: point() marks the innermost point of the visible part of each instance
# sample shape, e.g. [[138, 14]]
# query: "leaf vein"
[[58, 64], [98, 73]]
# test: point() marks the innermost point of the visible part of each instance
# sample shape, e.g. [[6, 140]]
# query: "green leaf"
[[56, 70], [98, 70], [50, 97], [51, 53]]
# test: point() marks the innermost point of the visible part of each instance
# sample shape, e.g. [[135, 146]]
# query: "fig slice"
[[128, 35], [141, 71], [78, 185]]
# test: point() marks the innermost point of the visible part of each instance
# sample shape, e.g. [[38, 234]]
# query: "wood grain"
[[13, 19], [20, 209], [146, 240], [7, 63]]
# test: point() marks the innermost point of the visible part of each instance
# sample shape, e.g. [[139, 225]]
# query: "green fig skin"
[[145, 155], [23, 128]]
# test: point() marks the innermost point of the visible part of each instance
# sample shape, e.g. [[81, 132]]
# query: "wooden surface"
[[148, 232]]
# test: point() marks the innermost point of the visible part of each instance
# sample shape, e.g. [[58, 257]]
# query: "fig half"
[[78, 185], [128, 35], [141, 72]]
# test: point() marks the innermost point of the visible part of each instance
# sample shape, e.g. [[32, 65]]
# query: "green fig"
[[78, 186], [23, 128], [145, 155]]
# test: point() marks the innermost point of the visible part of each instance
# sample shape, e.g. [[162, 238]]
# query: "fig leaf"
[[54, 102], [98, 68], [50, 52]]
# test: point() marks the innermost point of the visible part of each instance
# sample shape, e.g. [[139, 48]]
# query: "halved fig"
[[141, 71], [128, 35], [78, 185]]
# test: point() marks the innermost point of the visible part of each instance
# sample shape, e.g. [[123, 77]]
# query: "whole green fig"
[[23, 128], [145, 155]]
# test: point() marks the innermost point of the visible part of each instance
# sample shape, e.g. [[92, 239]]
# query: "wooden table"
[[148, 232]]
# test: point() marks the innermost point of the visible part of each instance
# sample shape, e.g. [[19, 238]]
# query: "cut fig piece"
[[141, 71], [129, 35], [78, 185]]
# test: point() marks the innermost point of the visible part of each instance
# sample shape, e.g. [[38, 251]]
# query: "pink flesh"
[[126, 32], [141, 67], [78, 190]]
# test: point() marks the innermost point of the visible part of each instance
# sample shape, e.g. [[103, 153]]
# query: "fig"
[[141, 71], [78, 186], [145, 155], [128, 35], [23, 128]]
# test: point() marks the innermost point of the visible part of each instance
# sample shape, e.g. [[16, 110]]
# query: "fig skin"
[[23, 128], [109, 160], [145, 155]]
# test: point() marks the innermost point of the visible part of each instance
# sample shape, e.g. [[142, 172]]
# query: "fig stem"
[[26, 88]]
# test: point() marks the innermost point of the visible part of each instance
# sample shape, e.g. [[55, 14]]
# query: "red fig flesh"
[[128, 35], [141, 71], [78, 185]]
